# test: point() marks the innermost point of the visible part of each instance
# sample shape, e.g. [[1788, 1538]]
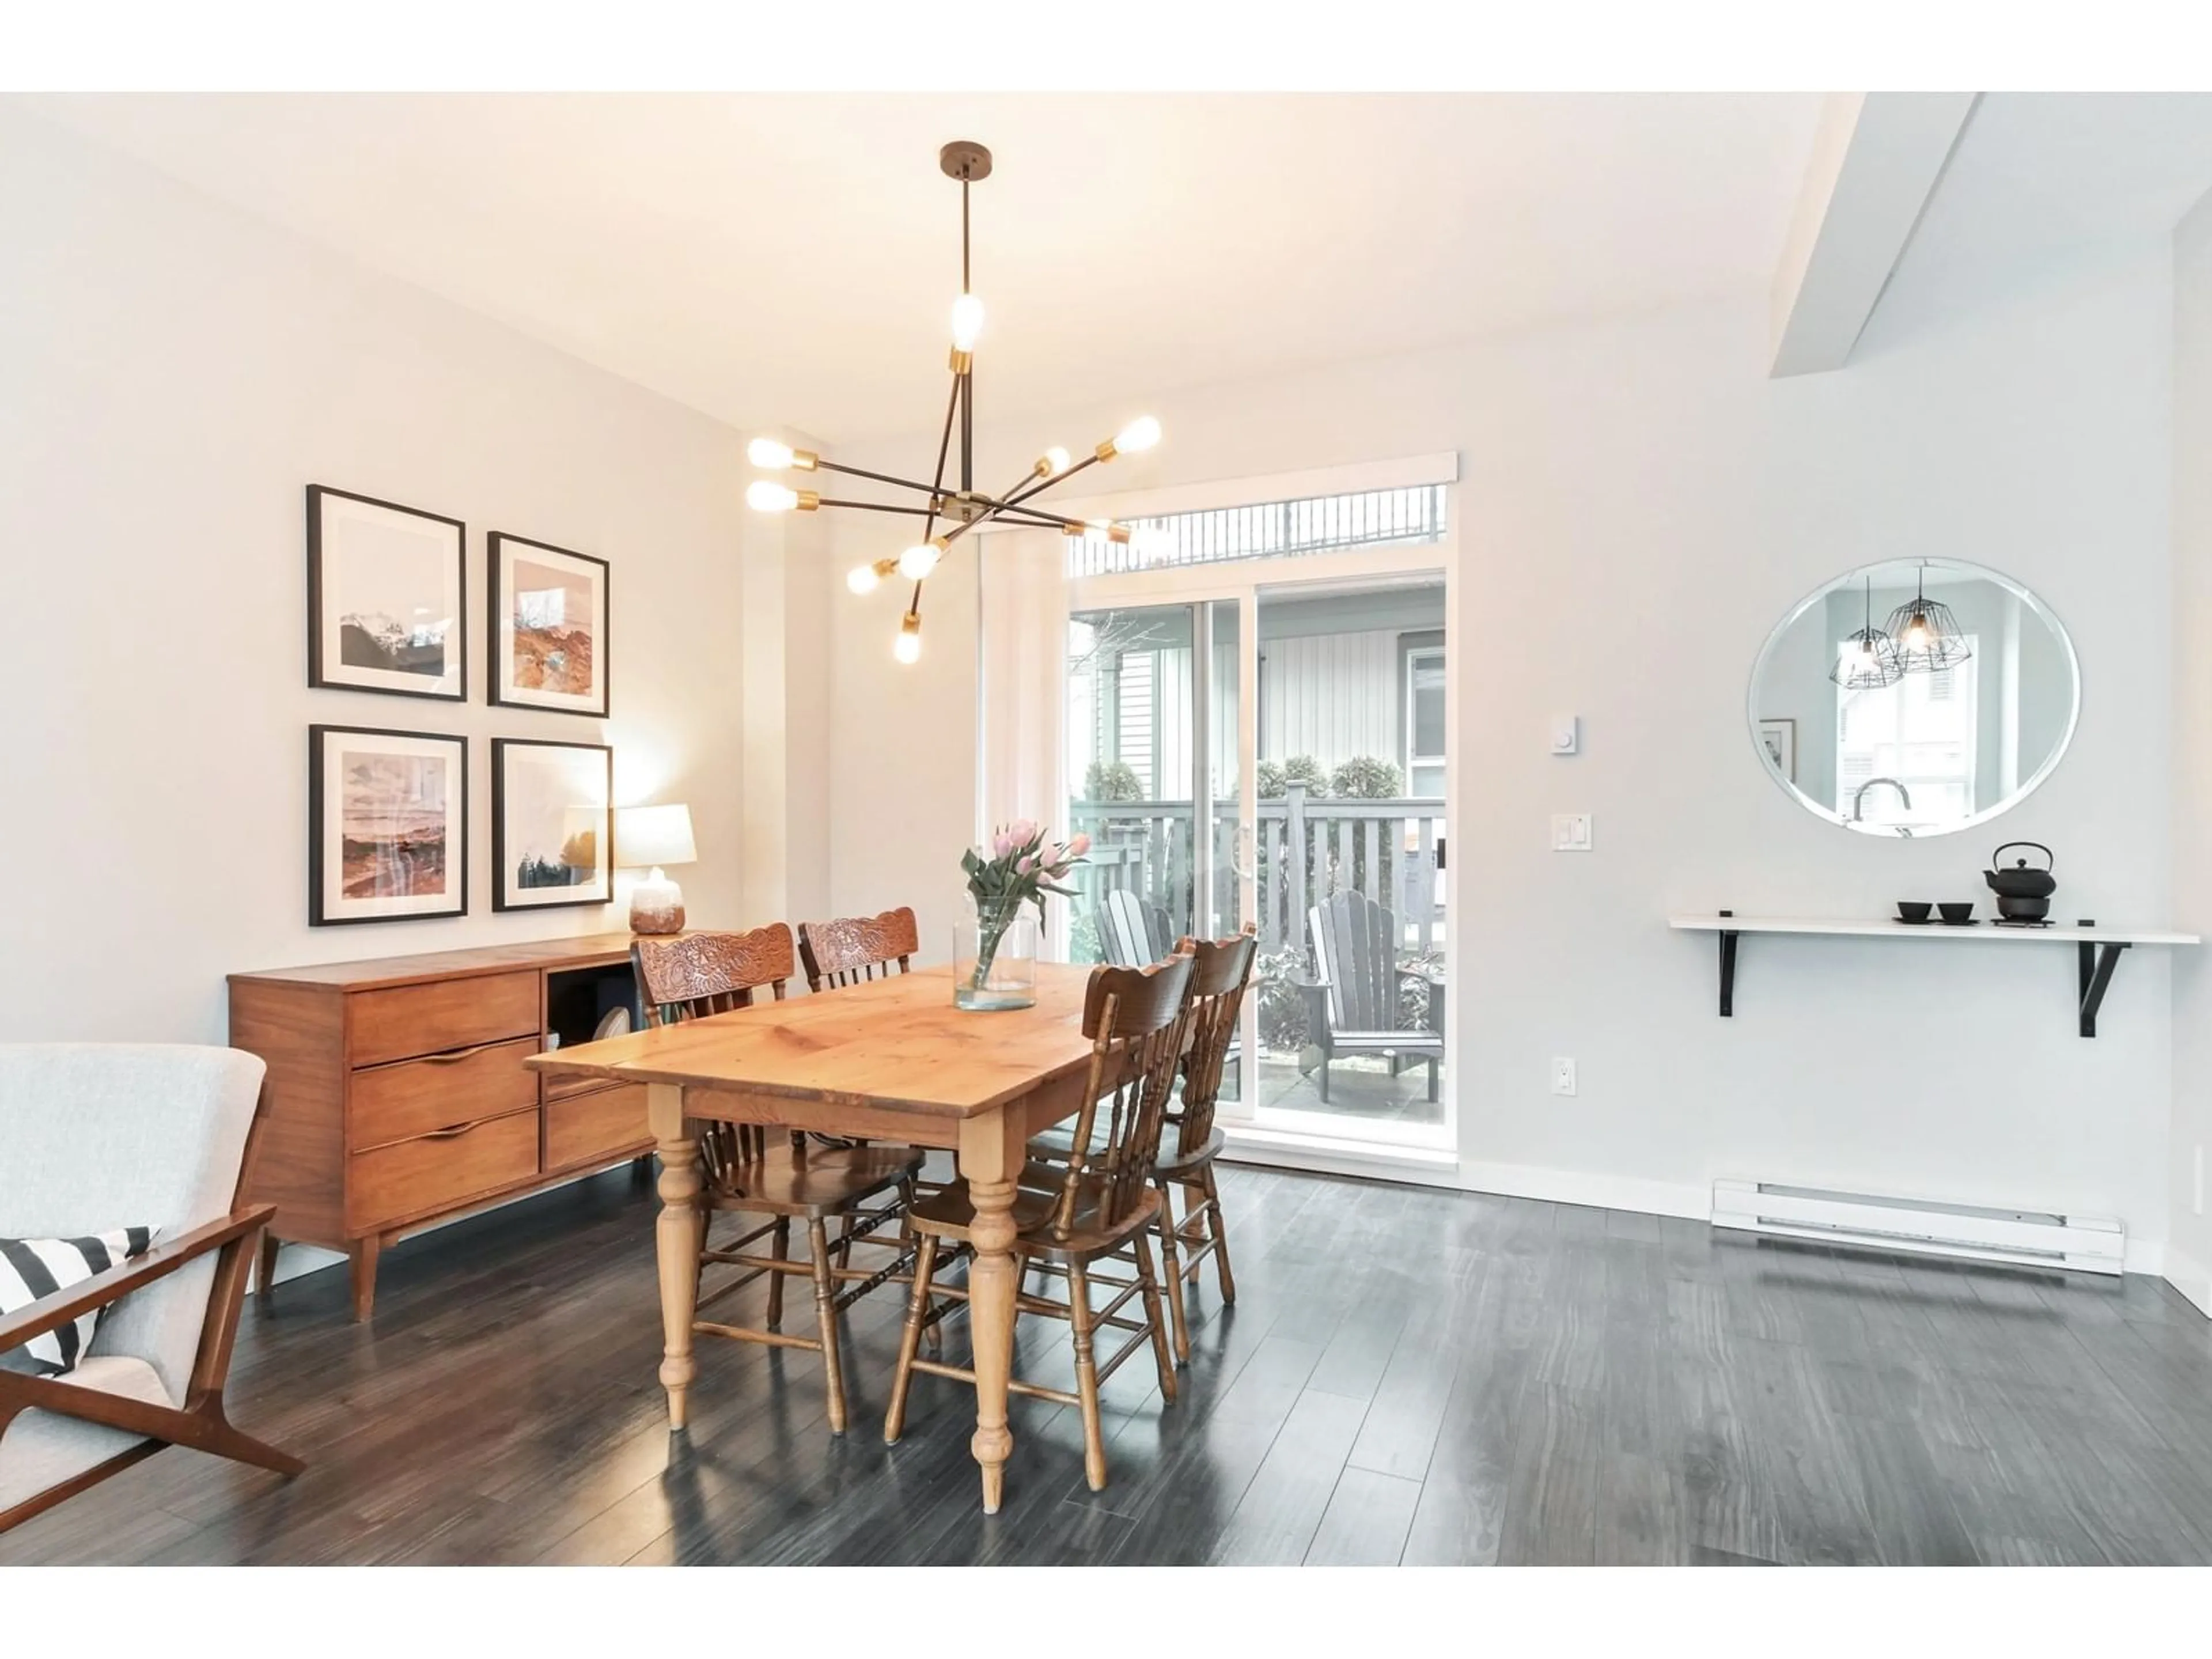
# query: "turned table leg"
[[677, 1234], [991, 1149]]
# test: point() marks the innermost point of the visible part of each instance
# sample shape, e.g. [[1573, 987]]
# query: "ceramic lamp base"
[[657, 906]]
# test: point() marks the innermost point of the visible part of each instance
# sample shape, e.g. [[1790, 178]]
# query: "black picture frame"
[[502, 691], [327, 643], [506, 753], [328, 909]]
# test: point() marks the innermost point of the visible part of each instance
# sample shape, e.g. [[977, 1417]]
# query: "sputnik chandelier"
[[963, 508]]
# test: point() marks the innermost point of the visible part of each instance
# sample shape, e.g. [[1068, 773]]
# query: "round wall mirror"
[[1914, 697]]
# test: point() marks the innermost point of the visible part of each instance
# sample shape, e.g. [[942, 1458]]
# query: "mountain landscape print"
[[392, 818], [551, 822], [552, 648], [549, 644], [386, 611], [387, 824], [375, 640]]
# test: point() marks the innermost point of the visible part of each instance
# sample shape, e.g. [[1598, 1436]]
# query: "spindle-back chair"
[[1220, 970], [698, 975], [851, 949], [1074, 1214]]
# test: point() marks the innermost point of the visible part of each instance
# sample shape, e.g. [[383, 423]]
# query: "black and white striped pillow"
[[33, 1269]]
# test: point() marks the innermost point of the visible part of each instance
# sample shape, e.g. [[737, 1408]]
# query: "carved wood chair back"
[[1135, 1018], [851, 949], [1220, 970], [695, 974]]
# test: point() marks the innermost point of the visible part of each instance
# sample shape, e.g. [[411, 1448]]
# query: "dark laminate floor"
[[1409, 1376]]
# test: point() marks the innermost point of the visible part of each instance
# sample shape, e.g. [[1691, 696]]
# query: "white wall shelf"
[[2096, 949]]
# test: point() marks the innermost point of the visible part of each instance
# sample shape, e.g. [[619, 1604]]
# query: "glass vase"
[[994, 959]]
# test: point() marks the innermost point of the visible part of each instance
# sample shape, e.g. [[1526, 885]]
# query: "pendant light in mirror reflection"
[[1927, 635], [1868, 659], [1955, 711]]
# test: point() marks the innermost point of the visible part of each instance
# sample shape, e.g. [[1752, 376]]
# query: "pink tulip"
[[1003, 843], [1079, 847], [1023, 832], [1022, 867]]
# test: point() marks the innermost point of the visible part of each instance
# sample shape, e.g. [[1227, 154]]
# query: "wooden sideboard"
[[397, 1096]]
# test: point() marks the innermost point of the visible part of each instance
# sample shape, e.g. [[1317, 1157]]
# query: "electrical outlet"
[[1563, 1077], [1571, 832]]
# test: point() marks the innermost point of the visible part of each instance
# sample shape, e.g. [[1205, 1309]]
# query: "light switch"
[[1571, 832], [1566, 738]]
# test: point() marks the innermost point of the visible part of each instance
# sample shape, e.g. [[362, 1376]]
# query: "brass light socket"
[[806, 460], [1106, 452], [809, 500], [962, 360], [1117, 532]]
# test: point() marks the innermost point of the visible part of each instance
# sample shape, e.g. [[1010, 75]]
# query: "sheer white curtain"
[[1021, 681]]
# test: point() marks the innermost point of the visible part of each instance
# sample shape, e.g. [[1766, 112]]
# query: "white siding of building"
[[1333, 696]]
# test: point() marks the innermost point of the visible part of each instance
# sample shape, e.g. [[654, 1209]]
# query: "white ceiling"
[[790, 258], [2041, 182]]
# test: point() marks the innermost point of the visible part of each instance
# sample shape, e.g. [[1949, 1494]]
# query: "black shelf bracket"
[[2097, 960], [1727, 938]]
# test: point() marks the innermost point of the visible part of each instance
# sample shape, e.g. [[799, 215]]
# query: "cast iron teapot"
[[2023, 895]]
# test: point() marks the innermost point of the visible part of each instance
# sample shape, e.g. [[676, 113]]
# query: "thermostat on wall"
[[1565, 734]]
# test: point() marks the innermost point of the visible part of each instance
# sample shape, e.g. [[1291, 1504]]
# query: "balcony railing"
[[1303, 851]]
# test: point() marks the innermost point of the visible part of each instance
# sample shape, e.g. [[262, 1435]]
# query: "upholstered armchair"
[[95, 1137]]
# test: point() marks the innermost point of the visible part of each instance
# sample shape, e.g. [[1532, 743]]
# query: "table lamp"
[[655, 835]]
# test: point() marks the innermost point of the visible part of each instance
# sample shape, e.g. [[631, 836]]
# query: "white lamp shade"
[[654, 835]]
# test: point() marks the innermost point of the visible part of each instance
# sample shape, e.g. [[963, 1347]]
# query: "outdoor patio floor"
[[1361, 1090]]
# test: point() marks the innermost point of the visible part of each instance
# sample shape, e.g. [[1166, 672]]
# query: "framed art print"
[[1779, 739], [387, 825], [549, 627], [385, 607], [552, 823]]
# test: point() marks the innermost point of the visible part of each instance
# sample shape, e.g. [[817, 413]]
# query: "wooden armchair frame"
[[200, 1422]]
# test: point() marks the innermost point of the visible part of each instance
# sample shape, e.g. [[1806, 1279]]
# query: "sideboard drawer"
[[603, 1124], [410, 1178], [412, 1097], [408, 1020]]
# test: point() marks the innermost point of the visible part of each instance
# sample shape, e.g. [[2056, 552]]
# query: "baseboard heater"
[[2037, 1238]]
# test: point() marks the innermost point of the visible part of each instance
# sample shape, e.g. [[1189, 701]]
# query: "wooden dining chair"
[[1077, 1214], [749, 1171], [1220, 970], [851, 949]]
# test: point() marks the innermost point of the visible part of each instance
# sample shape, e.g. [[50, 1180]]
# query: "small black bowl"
[[1958, 915], [1915, 913]]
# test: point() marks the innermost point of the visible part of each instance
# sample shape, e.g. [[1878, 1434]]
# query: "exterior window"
[[1920, 733], [1424, 723], [1269, 530]]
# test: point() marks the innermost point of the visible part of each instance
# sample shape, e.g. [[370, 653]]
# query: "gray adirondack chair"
[[1133, 933], [1351, 1006]]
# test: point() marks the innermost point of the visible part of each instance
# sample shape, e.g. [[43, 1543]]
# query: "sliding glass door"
[[1277, 753], [1150, 764], [1350, 768]]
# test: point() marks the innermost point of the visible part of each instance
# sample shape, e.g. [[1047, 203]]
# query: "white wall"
[[1643, 503], [2190, 1257], [173, 374]]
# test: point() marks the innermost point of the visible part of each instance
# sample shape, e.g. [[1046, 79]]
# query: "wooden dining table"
[[888, 1059]]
